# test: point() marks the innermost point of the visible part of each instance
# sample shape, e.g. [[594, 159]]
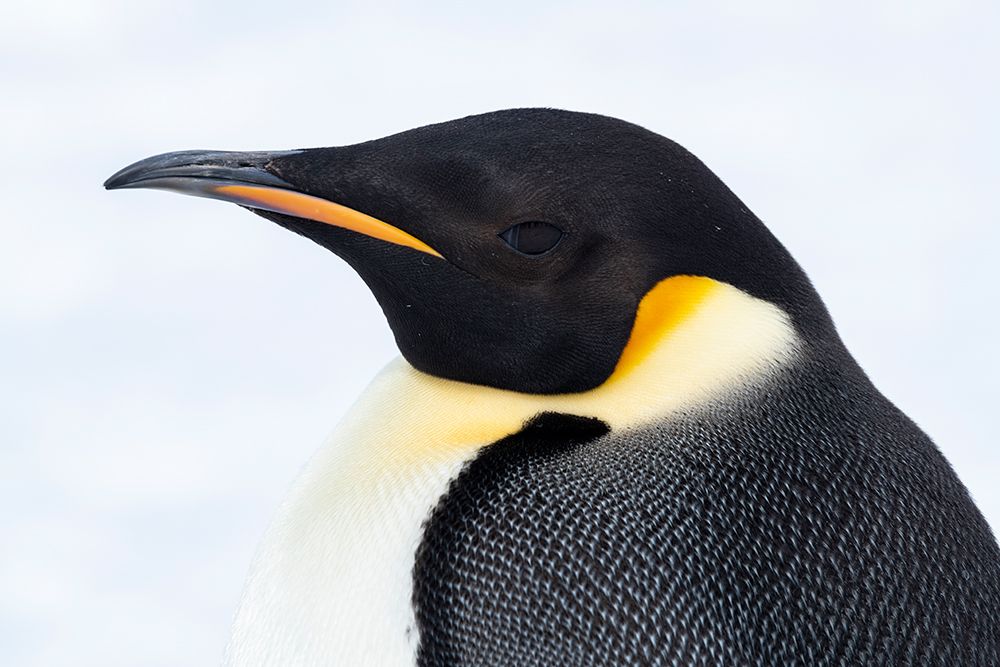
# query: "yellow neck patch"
[[694, 339], [664, 308]]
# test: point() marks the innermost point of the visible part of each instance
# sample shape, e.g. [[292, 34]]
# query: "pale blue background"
[[168, 364]]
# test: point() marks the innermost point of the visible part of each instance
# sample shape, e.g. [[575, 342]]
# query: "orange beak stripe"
[[306, 206]]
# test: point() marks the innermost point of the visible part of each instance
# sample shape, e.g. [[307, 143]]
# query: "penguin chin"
[[505, 340]]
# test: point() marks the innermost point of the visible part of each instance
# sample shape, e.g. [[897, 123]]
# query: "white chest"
[[332, 580]]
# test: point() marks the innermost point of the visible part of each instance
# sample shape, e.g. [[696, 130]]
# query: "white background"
[[167, 364]]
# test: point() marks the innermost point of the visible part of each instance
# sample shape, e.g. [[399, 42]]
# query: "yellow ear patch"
[[664, 307], [694, 339]]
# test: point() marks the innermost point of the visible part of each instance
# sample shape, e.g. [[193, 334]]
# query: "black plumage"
[[804, 522]]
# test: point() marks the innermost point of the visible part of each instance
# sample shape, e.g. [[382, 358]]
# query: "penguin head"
[[511, 249]]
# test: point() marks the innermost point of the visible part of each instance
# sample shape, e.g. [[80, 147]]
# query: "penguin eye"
[[532, 238]]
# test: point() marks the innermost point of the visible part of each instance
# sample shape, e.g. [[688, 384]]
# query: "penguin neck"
[[694, 341], [332, 582]]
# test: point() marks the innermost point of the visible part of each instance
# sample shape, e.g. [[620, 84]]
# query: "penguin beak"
[[243, 178]]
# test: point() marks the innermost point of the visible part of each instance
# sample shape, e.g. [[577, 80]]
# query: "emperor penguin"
[[623, 430]]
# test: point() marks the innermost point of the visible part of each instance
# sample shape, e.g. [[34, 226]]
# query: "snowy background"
[[168, 364]]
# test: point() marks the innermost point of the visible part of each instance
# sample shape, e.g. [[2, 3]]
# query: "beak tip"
[[157, 170], [115, 182], [129, 176]]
